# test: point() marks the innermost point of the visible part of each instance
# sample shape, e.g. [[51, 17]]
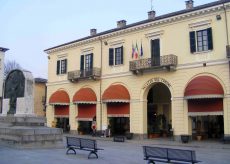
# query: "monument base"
[[28, 132]]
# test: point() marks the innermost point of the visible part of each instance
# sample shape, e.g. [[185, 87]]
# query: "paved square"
[[129, 152]]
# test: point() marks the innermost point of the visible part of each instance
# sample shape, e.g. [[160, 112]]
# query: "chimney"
[[189, 4], [151, 14], [121, 23], [93, 32]]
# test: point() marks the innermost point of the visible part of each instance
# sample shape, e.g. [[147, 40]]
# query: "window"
[[116, 56], [61, 66], [201, 40]]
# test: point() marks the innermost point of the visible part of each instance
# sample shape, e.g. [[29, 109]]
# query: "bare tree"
[[9, 66]]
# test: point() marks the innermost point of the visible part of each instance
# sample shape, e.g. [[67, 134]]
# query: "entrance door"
[[63, 123], [155, 52]]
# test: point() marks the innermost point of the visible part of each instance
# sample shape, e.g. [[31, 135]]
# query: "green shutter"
[[65, 66], [91, 61], [192, 41], [82, 62], [111, 56], [121, 54], [210, 43], [58, 67]]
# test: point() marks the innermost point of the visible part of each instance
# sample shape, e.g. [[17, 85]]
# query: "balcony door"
[[155, 52], [86, 65]]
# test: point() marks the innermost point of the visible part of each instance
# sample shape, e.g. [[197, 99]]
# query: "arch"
[[204, 86], [150, 83], [116, 93], [85, 95], [60, 97]]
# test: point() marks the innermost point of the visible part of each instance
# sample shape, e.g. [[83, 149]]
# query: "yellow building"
[[161, 75], [39, 96]]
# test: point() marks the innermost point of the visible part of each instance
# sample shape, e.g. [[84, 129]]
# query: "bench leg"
[[151, 162], [70, 148], [92, 152]]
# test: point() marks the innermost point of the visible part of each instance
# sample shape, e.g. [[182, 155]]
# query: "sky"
[[28, 27]]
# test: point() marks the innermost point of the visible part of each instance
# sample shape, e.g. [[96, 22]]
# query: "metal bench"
[[82, 144], [169, 155], [119, 139]]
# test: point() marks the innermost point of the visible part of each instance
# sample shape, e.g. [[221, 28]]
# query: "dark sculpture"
[[14, 88]]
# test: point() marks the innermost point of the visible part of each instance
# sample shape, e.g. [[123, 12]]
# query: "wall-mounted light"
[[218, 17], [105, 43]]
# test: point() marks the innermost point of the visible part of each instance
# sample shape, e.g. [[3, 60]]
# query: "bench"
[[119, 139], [82, 144], [169, 155]]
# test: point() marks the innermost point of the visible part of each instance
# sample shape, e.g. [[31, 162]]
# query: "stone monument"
[[18, 93], [19, 127]]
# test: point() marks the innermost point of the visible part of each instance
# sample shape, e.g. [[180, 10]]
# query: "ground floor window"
[[207, 127]]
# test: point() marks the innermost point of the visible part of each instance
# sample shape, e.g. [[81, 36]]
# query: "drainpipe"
[[101, 87], [226, 26], [226, 22]]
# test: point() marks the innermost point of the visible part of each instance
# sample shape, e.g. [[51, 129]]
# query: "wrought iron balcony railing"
[[94, 74], [168, 62]]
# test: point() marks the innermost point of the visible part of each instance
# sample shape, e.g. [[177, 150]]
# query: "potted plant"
[[184, 138], [129, 135]]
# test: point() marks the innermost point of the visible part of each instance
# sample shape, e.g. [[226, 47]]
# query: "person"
[[93, 126]]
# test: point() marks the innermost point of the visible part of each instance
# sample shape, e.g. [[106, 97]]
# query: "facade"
[[39, 96], [2, 56], [166, 75]]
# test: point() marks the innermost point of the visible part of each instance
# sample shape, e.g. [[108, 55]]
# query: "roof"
[[3, 49], [40, 80], [146, 21]]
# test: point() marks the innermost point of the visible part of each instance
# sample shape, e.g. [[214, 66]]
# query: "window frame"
[[61, 67], [116, 56], [201, 40]]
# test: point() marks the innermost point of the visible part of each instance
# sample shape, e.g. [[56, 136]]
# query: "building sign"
[[156, 80]]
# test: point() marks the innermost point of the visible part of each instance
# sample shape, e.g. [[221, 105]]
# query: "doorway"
[[119, 125], [159, 113]]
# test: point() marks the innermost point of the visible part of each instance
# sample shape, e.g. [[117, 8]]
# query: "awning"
[[118, 110], [86, 112], [203, 87], [116, 93], [85, 96], [59, 97], [61, 111], [205, 107]]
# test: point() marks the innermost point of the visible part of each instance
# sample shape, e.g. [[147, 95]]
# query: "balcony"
[[167, 62], [75, 76]]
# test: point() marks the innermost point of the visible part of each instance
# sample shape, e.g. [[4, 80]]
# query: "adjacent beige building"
[[166, 75], [39, 96]]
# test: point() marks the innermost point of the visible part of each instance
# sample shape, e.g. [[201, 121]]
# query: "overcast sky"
[[28, 27]]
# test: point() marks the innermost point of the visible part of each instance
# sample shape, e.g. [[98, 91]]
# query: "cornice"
[[153, 23]]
